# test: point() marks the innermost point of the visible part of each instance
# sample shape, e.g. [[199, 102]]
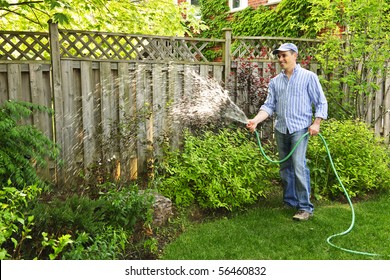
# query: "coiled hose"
[[328, 240]]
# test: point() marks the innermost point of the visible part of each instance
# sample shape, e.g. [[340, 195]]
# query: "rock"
[[162, 209]]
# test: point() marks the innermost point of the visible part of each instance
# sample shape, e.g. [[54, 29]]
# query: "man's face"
[[287, 59]]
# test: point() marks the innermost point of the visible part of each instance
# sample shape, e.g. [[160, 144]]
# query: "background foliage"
[[354, 52], [215, 15], [146, 17], [23, 147], [290, 18]]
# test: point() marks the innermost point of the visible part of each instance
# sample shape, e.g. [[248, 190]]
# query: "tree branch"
[[21, 15], [25, 3]]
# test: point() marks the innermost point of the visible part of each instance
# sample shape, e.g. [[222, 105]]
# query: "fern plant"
[[23, 146]]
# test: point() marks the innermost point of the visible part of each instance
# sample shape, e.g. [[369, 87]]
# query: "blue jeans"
[[294, 172]]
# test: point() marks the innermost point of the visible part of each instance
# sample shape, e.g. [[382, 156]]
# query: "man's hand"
[[251, 125], [314, 129]]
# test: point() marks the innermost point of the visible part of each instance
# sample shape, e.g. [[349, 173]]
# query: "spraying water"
[[206, 101], [197, 101]]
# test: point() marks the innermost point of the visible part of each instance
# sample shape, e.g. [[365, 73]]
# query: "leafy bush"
[[74, 214], [15, 225], [101, 226], [216, 170], [117, 208], [361, 160], [123, 208], [23, 146], [108, 244], [80, 227]]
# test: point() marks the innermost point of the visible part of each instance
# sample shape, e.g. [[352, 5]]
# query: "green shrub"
[[74, 214], [216, 170], [123, 208], [362, 160], [15, 224], [101, 226], [119, 208], [23, 146], [108, 244]]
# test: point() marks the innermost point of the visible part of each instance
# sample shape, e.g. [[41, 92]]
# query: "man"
[[291, 96]]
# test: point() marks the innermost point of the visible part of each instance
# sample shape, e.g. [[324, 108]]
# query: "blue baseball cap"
[[286, 47]]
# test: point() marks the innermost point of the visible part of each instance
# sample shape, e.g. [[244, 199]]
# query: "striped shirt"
[[292, 100]]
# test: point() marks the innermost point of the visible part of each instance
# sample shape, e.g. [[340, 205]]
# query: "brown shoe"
[[302, 215], [286, 206]]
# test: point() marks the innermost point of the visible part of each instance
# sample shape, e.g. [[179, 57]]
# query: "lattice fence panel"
[[24, 46], [262, 47], [116, 46]]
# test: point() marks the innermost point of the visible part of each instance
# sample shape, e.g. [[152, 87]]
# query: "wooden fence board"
[[386, 115], [218, 73], [159, 105], [377, 106], [3, 87], [175, 91], [15, 91], [107, 109], [70, 121], [40, 95], [142, 106], [132, 118], [204, 71], [88, 115], [124, 103], [78, 124]]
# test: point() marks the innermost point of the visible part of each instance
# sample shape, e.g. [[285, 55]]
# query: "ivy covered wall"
[[290, 18]]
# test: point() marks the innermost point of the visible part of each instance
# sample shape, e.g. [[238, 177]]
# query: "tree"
[[158, 17], [354, 52]]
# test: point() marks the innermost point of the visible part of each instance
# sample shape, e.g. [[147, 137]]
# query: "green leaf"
[[61, 18], [14, 241]]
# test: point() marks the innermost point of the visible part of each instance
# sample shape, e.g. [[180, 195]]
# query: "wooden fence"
[[112, 92]]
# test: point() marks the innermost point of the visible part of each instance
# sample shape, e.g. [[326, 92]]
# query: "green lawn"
[[268, 232]]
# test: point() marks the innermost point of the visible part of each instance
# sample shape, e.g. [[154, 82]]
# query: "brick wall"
[[252, 3], [255, 3]]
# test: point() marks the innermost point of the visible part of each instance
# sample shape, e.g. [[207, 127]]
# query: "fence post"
[[386, 103], [226, 52], [56, 90]]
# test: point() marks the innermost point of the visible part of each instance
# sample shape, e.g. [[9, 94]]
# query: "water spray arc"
[[328, 240]]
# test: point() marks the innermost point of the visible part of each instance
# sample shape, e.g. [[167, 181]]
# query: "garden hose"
[[339, 180]]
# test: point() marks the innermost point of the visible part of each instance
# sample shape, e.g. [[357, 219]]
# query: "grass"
[[268, 232]]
